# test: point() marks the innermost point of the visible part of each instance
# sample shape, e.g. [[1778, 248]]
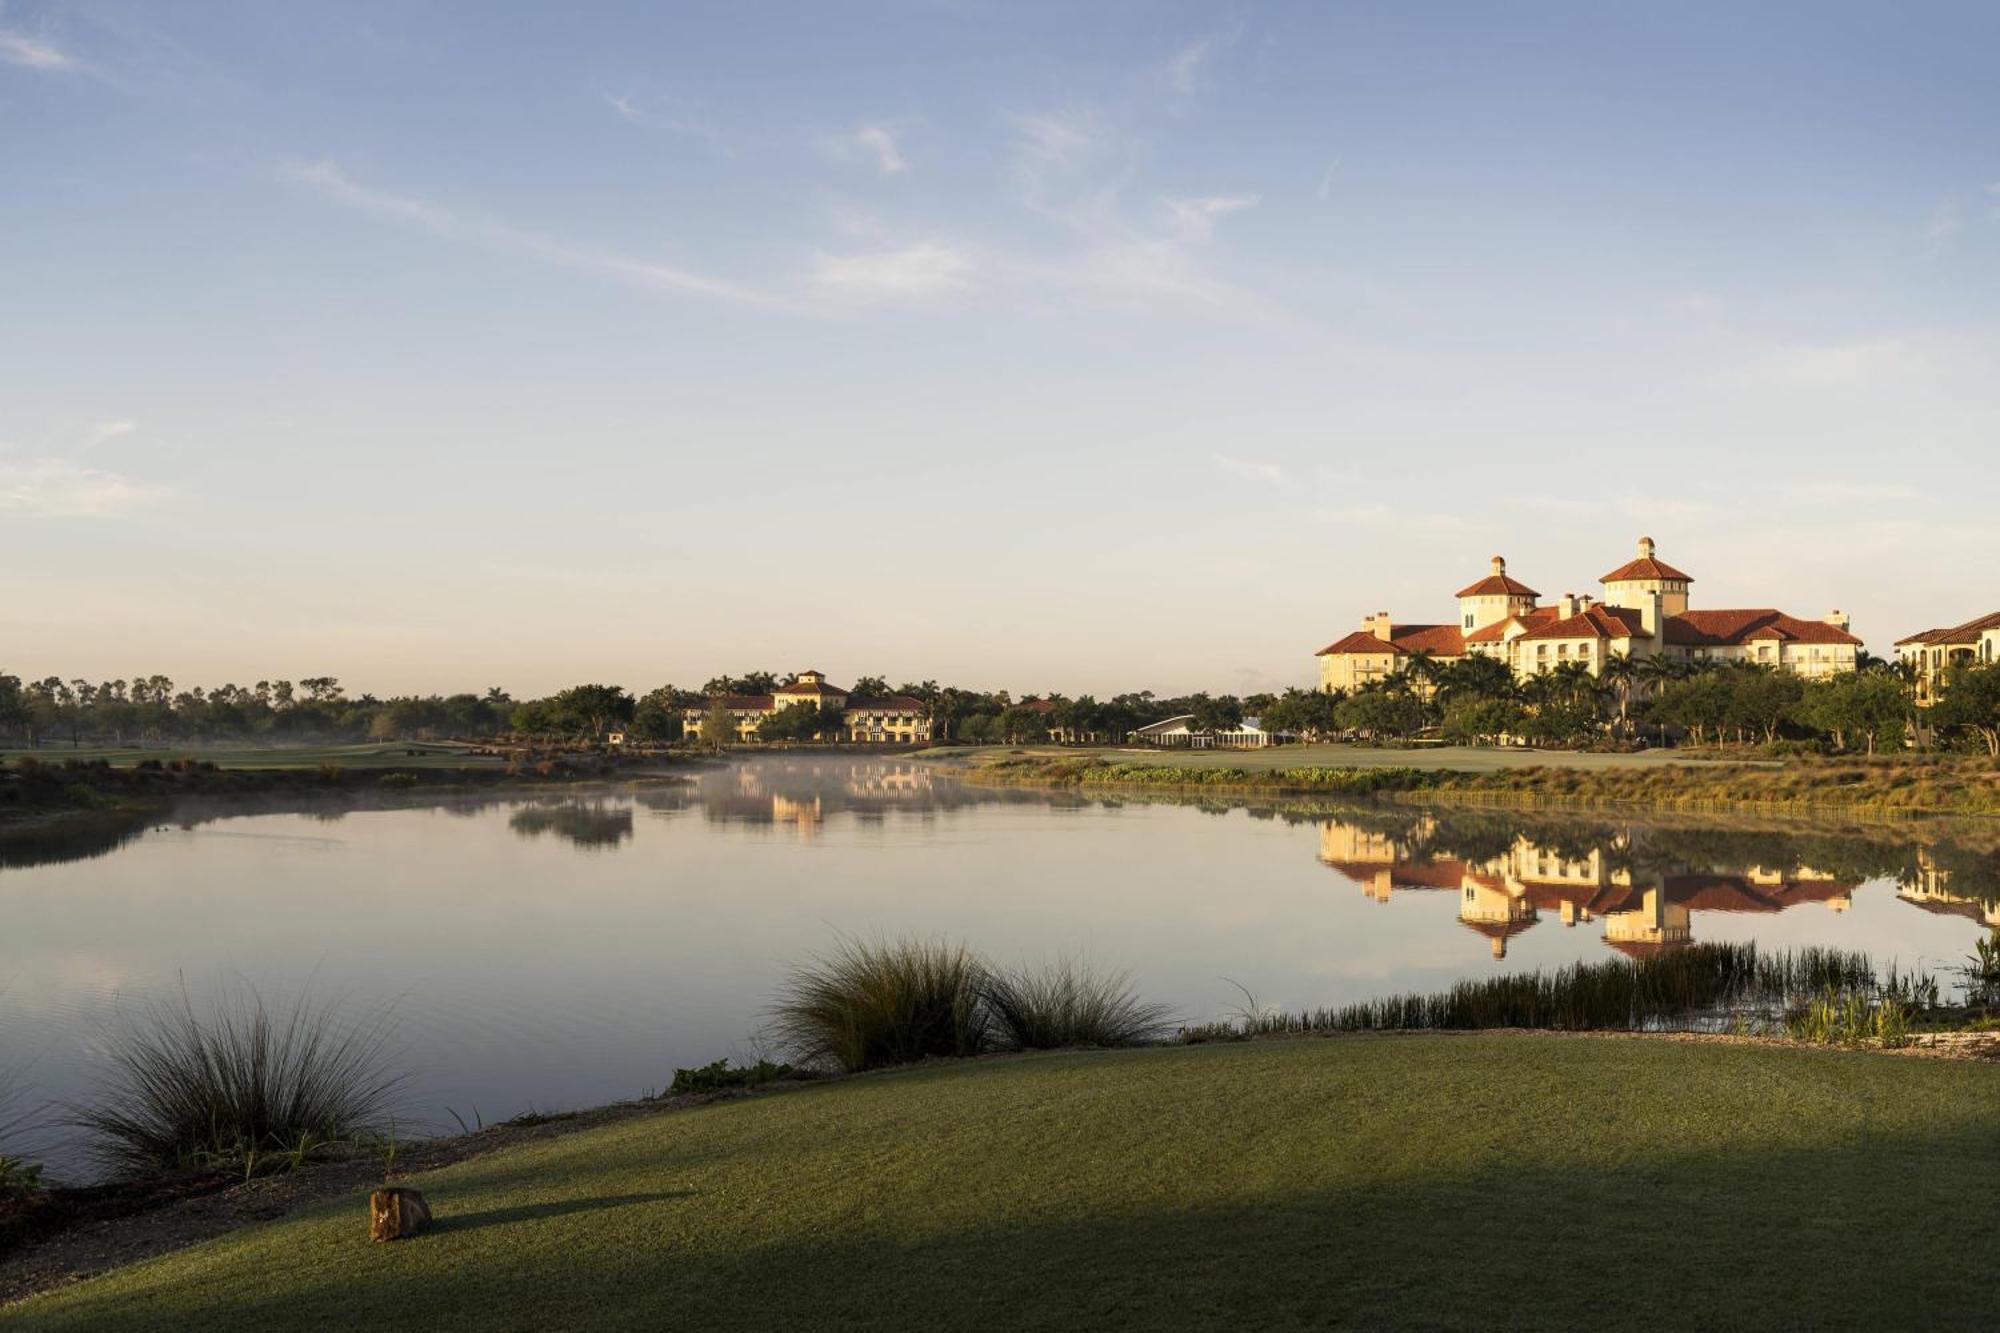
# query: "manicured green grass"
[[369, 755], [1361, 1182]]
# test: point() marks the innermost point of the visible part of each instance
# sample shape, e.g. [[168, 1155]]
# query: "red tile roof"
[[895, 703], [1361, 641], [1645, 567], [1646, 948], [1494, 585], [810, 687], [1499, 929], [1594, 622], [1442, 640], [1708, 629], [1497, 631], [1969, 632], [761, 702]]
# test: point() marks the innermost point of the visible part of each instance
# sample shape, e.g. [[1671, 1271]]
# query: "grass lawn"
[[1458, 758], [369, 755], [1435, 1181]]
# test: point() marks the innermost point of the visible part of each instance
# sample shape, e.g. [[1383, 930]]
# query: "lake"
[[555, 949]]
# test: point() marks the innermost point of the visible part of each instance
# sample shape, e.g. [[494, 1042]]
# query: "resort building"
[[1644, 612], [895, 720], [1933, 653]]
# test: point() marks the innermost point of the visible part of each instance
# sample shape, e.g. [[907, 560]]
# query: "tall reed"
[[237, 1085], [18, 1175], [1681, 988]]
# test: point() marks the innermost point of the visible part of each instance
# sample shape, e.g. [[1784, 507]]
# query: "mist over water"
[[559, 949]]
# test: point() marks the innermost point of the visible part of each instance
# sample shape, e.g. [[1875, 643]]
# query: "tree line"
[[1476, 700], [1473, 700]]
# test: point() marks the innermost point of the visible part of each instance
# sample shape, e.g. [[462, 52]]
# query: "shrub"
[[1066, 1004], [18, 1179], [721, 1077], [864, 1006], [397, 781], [238, 1086]]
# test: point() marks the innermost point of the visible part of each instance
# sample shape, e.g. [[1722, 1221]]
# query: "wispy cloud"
[[1197, 217], [1852, 492], [66, 488], [1946, 222], [1863, 364], [18, 48], [879, 145], [1073, 171], [328, 180], [672, 117], [1325, 190], [1057, 160], [104, 432], [1183, 70], [915, 272], [1151, 266], [1246, 467], [1394, 518]]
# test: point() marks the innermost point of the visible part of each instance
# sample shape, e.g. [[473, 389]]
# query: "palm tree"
[[1621, 671]]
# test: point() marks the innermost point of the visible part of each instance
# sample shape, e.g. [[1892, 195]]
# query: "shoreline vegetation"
[[58, 803], [1927, 786], [221, 1100]]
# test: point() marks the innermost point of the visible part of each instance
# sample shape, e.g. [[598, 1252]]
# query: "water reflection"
[[804, 795], [1645, 885], [593, 824]]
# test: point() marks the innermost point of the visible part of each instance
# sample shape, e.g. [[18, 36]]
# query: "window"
[[1468, 621]]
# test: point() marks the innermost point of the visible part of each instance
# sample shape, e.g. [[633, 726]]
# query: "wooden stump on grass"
[[394, 1213]]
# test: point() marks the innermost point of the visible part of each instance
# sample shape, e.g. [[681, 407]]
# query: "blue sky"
[[1028, 346]]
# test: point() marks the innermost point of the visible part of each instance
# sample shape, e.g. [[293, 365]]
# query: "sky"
[[1042, 347]]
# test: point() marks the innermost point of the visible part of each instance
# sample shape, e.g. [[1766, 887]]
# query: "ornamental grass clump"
[[869, 1005], [1067, 1004], [238, 1087]]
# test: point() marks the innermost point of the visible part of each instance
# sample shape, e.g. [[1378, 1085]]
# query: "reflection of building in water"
[[805, 815], [1501, 893], [809, 795], [1930, 889]]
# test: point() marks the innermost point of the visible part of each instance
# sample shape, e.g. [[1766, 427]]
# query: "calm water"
[[558, 951]]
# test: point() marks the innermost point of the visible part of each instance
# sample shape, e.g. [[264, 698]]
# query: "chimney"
[[1499, 564], [1583, 601], [1566, 606], [1377, 624], [1645, 548], [1650, 616], [1837, 618]]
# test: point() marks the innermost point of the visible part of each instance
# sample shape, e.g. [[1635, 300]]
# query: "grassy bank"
[[1919, 786], [1361, 1182]]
